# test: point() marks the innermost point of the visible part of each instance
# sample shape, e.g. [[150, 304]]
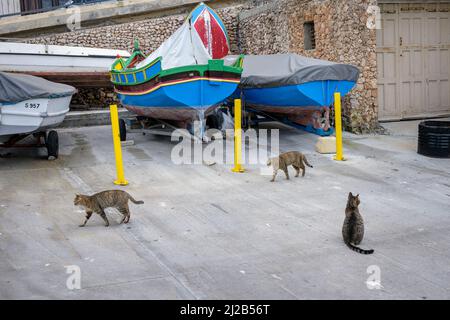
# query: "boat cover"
[[183, 48], [19, 87], [265, 71], [201, 37]]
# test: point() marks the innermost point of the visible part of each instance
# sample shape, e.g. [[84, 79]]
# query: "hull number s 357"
[[32, 105]]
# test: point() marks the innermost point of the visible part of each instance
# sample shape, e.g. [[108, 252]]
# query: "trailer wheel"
[[122, 130], [52, 144]]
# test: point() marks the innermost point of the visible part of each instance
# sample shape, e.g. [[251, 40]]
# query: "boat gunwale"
[[161, 84], [212, 65], [134, 70], [49, 97]]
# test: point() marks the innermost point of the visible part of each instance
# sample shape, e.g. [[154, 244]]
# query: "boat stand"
[[42, 140], [253, 120], [158, 127]]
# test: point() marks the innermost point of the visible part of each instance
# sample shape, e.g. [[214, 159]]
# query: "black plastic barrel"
[[434, 139]]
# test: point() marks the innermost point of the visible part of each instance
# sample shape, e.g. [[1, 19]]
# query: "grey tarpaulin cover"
[[264, 71], [19, 87]]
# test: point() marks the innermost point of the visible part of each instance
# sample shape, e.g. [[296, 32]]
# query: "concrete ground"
[[207, 233]]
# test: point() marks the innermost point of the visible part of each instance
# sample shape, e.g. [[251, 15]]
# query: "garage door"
[[413, 56]]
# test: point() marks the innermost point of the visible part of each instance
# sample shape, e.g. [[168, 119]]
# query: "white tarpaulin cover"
[[183, 48]]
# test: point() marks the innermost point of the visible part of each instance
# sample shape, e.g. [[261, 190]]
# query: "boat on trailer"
[[31, 105], [186, 78], [294, 89]]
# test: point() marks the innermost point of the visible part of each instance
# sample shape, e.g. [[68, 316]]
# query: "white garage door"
[[413, 53]]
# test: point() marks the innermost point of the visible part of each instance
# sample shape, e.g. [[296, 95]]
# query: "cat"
[[294, 158], [106, 199], [353, 228]]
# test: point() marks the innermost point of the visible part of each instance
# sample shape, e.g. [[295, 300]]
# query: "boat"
[[186, 78], [294, 89], [76, 66], [32, 105]]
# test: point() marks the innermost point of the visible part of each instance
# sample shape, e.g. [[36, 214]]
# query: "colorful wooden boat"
[[184, 79]]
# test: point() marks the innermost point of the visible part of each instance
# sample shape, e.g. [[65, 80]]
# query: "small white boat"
[[32, 105], [32, 115], [77, 66]]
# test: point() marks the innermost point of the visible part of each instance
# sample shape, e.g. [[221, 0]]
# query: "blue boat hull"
[[180, 100], [291, 97]]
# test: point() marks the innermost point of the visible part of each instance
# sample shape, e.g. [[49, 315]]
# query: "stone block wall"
[[341, 36], [93, 98], [263, 29], [150, 32]]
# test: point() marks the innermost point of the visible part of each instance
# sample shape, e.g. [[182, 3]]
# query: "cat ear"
[[350, 195], [357, 195]]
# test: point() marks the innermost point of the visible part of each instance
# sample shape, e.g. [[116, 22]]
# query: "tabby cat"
[[294, 158], [106, 199], [353, 228]]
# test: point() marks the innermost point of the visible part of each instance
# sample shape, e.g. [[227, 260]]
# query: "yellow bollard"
[[237, 137], [117, 146], [338, 124]]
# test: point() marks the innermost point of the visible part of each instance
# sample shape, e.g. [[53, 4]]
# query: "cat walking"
[[106, 199], [294, 158]]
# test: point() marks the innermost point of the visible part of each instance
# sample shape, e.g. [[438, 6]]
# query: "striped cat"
[[106, 199], [353, 228], [294, 158]]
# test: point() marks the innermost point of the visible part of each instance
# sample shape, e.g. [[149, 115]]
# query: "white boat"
[[32, 115], [78, 66], [32, 105]]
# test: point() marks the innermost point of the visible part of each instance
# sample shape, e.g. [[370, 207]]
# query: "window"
[[30, 6], [46, 4], [309, 35]]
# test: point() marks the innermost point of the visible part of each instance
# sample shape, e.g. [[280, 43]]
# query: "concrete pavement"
[[207, 233]]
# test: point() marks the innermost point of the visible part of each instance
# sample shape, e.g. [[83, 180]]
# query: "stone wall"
[[150, 32], [93, 98], [341, 36], [263, 29]]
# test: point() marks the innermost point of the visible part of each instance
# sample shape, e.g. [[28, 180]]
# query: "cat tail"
[[359, 250], [306, 161], [135, 201]]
